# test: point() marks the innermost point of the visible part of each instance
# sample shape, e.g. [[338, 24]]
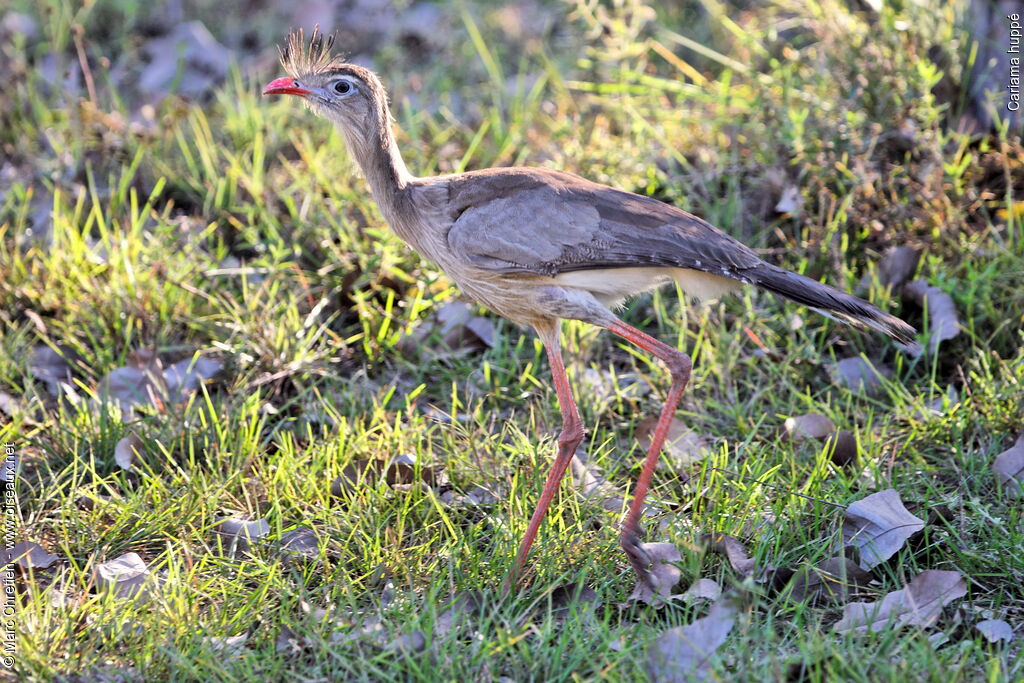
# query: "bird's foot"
[[639, 558]]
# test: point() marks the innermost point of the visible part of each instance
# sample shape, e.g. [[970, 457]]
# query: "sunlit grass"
[[239, 229]]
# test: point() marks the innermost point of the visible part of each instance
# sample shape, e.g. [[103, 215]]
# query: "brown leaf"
[[28, 555], [790, 201], [566, 596], [684, 653], [843, 447], [300, 543], [241, 534], [878, 526], [51, 368], [733, 550], [897, 265], [829, 581], [683, 446], [810, 426], [127, 450], [1009, 468], [402, 471], [134, 385], [229, 647], [858, 374], [943, 322], [460, 331], [995, 630], [702, 589], [662, 575], [408, 643], [462, 605], [186, 376], [356, 474], [919, 604], [588, 479], [126, 576], [187, 60]]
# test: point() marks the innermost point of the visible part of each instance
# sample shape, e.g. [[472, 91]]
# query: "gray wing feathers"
[[547, 223]]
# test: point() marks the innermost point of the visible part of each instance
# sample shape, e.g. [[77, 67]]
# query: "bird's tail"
[[832, 302]]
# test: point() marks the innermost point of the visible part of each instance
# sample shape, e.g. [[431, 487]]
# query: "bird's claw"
[[638, 556]]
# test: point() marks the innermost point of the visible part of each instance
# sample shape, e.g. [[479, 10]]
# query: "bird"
[[540, 246]]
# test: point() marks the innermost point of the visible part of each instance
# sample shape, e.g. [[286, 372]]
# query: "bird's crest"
[[300, 58]]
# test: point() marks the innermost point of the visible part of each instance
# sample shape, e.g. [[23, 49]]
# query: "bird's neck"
[[377, 153]]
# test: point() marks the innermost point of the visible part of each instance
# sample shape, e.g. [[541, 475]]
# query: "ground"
[[206, 318]]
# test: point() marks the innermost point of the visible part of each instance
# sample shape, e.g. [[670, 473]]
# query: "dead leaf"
[[858, 374], [943, 322], [995, 630], [919, 604], [684, 653], [702, 589], [602, 385], [790, 201], [843, 449], [126, 576], [241, 534], [127, 450], [228, 646], [592, 484], [733, 550], [462, 605], [186, 376], [408, 643], [28, 555], [810, 426], [300, 543], [51, 368], [662, 575], [829, 581], [1009, 468], [566, 596], [139, 384], [402, 471], [878, 526], [683, 446], [188, 61], [357, 473], [460, 331], [897, 266]]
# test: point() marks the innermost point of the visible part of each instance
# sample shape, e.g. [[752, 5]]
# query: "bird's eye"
[[343, 87]]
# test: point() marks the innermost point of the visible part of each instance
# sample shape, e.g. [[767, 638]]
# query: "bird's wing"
[[547, 222]]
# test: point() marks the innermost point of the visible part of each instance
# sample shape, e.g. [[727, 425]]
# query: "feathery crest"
[[300, 58]]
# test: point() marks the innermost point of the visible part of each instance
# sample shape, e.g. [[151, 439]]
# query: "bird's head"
[[346, 94]]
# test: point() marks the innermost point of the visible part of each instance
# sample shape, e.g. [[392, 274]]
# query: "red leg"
[[568, 441], [679, 366]]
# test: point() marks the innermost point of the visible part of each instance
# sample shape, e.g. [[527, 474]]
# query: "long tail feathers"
[[830, 301]]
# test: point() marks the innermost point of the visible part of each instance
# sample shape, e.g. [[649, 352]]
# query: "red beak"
[[285, 86]]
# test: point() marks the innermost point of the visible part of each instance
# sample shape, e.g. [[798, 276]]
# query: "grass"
[[238, 229]]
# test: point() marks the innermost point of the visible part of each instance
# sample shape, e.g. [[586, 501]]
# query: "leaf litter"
[[127, 450], [943, 321], [995, 630], [126, 576], [1009, 468], [241, 534], [683, 447], [662, 575], [29, 555], [879, 526], [684, 653], [919, 604]]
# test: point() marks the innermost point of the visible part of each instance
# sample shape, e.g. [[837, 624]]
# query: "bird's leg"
[[679, 366], [568, 440]]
